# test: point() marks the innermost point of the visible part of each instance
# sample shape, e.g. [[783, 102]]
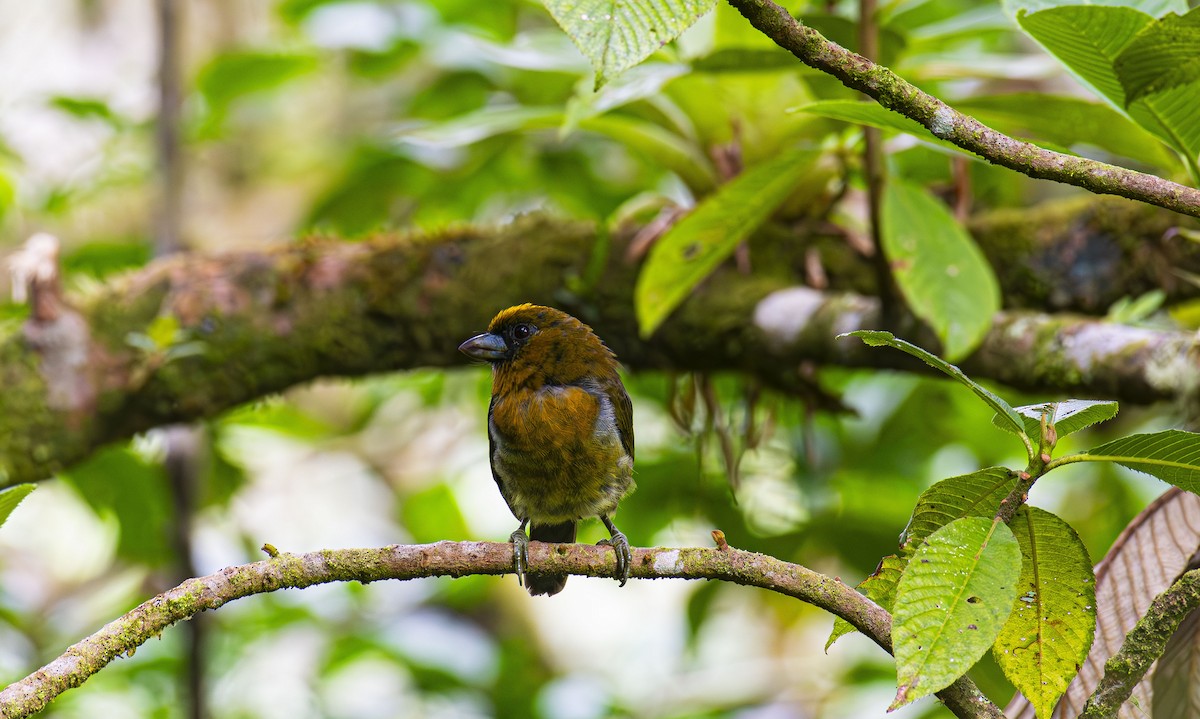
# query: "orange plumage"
[[560, 427]]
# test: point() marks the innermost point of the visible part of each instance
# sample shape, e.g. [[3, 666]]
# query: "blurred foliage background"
[[342, 118]]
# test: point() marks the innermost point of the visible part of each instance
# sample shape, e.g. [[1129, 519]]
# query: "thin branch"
[[874, 172], [1144, 644], [894, 93], [454, 559]]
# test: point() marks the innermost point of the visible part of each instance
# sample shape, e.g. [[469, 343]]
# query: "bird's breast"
[[557, 452]]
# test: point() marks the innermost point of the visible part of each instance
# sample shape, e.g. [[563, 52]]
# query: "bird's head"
[[530, 346]]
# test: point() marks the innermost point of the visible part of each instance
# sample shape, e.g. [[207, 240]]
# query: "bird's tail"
[[549, 584]]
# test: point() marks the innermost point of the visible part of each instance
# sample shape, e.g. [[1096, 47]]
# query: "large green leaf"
[[1050, 630], [1009, 419], [1088, 39], [977, 494], [943, 275], [1157, 8], [1067, 416], [693, 248], [1164, 55], [10, 497], [880, 588], [951, 603], [618, 34], [1172, 455]]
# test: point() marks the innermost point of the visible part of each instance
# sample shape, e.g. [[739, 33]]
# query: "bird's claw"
[[520, 544], [620, 545]]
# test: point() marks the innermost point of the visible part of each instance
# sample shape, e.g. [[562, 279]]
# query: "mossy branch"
[[894, 93], [243, 325], [1143, 646], [454, 559]]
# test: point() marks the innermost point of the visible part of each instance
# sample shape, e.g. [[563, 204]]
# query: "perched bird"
[[560, 430]]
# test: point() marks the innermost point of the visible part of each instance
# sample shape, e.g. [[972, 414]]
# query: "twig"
[[1143, 645], [898, 95], [454, 559], [874, 174]]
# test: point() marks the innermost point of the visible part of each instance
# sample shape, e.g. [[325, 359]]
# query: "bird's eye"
[[522, 332]]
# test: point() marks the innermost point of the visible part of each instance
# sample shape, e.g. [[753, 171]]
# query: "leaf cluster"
[[978, 569]]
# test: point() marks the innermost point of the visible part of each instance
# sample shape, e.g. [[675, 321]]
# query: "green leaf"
[[1088, 39], [1009, 419], [1132, 310], [746, 59], [433, 514], [10, 497], [1157, 8], [693, 248], [120, 483], [88, 108], [875, 115], [1165, 54], [1172, 455], [951, 603], [944, 277], [1053, 620], [659, 145], [977, 494], [237, 73], [880, 588], [618, 34], [1067, 416], [476, 126], [8, 193]]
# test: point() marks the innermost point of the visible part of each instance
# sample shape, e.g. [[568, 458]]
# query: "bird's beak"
[[486, 346]]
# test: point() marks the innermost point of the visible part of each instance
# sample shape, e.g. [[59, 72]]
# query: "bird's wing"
[[624, 411], [492, 456]]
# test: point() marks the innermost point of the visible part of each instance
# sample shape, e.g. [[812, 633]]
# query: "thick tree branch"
[[894, 93], [270, 319], [1144, 645], [454, 559]]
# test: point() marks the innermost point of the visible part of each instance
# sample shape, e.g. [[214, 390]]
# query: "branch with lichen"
[[189, 337], [1144, 645], [894, 93], [454, 559]]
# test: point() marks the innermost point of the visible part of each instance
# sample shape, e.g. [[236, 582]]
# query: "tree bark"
[[455, 559], [113, 365]]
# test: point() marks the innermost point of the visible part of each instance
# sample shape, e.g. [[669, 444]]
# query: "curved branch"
[[247, 324], [894, 93], [1144, 645], [454, 559]]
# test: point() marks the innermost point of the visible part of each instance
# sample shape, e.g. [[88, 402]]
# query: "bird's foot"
[[624, 556], [520, 544]]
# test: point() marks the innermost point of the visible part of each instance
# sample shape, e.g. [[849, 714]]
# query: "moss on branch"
[[453, 559], [267, 320]]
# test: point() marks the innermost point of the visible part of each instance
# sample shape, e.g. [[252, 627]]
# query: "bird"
[[560, 431]]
